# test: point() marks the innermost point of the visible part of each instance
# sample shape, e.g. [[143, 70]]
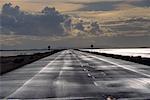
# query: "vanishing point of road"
[[72, 74]]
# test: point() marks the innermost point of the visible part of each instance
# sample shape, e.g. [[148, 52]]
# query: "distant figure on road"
[[49, 47], [92, 45]]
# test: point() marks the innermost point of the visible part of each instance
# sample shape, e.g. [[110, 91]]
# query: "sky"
[[74, 23]]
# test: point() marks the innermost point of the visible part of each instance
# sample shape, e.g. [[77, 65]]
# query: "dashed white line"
[[95, 84], [87, 70], [93, 77], [87, 64], [89, 74], [104, 74]]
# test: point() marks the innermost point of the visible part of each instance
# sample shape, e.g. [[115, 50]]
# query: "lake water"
[[143, 52], [14, 53]]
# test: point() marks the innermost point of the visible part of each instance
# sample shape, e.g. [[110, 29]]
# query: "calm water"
[[14, 53], [143, 52]]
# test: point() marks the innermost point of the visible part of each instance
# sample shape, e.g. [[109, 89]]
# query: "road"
[[72, 74]]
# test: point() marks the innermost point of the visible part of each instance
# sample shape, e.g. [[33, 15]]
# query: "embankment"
[[10, 63]]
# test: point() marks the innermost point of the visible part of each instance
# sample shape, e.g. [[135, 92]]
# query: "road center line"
[[93, 77], [89, 74], [86, 71], [95, 84]]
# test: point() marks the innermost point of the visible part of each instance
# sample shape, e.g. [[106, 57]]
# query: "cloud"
[[110, 5], [95, 28], [68, 25], [47, 22], [128, 27], [79, 26], [38, 5], [108, 25], [141, 3], [100, 6]]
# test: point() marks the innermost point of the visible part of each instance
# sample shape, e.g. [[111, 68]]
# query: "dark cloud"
[[95, 28], [100, 6], [79, 26], [141, 3], [84, 27], [47, 22], [132, 26], [68, 25], [111, 5]]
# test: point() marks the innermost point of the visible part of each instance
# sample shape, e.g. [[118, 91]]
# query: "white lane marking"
[[86, 70], [60, 82], [89, 74], [65, 66], [104, 74], [78, 60], [33, 76], [133, 70], [93, 77], [72, 98], [86, 64], [95, 84]]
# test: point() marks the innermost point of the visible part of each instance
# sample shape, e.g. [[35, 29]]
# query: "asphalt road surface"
[[73, 74]]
